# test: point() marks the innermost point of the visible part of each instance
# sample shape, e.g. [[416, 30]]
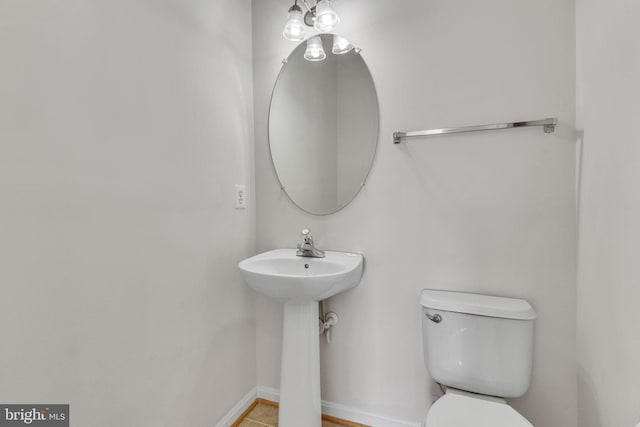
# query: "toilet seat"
[[460, 409]]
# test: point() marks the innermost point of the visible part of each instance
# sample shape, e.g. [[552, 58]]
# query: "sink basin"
[[300, 283], [282, 275]]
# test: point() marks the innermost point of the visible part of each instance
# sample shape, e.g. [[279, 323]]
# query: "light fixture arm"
[[309, 8], [310, 15], [295, 7]]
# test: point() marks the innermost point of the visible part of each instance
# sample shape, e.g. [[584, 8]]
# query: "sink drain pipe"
[[327, 321]]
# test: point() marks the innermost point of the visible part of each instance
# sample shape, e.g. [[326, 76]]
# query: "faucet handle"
[[306, 236]]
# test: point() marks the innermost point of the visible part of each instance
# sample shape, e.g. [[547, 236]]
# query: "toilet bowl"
[[458, 408], [481, 348]]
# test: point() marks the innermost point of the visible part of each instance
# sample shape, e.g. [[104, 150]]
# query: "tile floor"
[[267, 416]]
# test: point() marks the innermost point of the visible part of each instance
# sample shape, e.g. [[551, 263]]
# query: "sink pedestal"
[[301, 282], [300, 370]]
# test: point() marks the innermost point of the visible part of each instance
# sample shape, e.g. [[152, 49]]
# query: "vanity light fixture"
[[326, 18], [294, 29], [321, 16], [315, 51]]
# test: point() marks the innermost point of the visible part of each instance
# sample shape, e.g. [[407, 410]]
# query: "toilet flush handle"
[[436, 318]]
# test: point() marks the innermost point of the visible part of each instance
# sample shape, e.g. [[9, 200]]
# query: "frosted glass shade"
[[340, 45], [326, 18], [315, 51], [294, 29]]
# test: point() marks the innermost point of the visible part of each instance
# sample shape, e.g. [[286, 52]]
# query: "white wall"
[[608, 344], [490, 213], [123, 127]]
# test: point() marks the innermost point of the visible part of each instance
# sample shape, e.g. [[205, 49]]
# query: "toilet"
[[480, 348]]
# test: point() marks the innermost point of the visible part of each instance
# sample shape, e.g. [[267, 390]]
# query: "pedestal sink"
[[300, 283]]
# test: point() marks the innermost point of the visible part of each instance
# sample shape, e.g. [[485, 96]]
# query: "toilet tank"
[[482, 343]]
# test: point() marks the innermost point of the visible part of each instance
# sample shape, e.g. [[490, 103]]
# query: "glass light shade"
[[294, 29], [315, 51], [340, 45], [326, 18]]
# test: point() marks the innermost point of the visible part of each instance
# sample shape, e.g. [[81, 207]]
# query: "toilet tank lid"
[[481, 305]]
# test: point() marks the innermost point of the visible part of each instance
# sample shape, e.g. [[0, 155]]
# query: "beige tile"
[[264, 414]]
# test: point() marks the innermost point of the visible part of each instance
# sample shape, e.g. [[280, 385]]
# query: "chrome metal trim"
[[548, 124], [436, 318], [307, 248]]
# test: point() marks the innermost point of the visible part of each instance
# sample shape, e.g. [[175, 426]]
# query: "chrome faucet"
[[306, 248]]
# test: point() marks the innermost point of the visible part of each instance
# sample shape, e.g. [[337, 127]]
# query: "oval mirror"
[[323, 125]]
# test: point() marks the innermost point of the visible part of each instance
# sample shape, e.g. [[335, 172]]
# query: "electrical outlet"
[[241, 196]]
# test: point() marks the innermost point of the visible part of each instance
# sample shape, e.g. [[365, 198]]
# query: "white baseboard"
[[268, 393], [237, 410], [344, 412], [373, 420]]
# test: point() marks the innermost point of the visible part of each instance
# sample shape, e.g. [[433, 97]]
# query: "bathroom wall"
[[492, 213], [123, 129], [608, 341]]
